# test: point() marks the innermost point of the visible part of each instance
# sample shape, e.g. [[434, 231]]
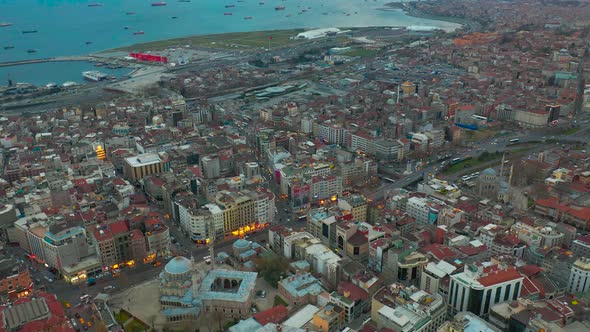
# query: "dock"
[[52, 59]]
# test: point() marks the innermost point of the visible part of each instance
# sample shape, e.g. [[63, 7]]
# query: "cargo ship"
[[95, 5], [138, 33], [5, 24], [94, 75], [227, 14], [158, 4], [280, 8], [29, 31]]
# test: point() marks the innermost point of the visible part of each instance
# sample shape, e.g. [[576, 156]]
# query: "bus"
[[513, 141], [455, 161]]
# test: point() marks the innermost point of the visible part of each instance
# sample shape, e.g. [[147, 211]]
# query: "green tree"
[[272, 268]]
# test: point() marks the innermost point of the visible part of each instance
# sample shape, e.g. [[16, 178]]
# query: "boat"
[[126, 28], [129, 13], [5, 24], [51, 85], [29, 31], [88, 42], [230, 6], [138, 33], [227, 14], [31, 51], [184, 1], [248, 17], [95, 5], [280, 8], [93, 75], [8, 47], [69, 84], [174, 17], [261, 3], [159, 4]]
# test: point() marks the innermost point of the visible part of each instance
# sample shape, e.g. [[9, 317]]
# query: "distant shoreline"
[[411, 11]]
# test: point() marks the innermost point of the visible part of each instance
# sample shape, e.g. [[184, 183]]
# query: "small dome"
[[489, 171], [241, 244], [178, 265]]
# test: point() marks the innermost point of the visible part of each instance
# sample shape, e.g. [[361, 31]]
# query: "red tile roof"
[[118, 227], [275, 315], [355, 292], [439, 251], [499, 276]]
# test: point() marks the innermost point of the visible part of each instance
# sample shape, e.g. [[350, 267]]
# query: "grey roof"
[[21, 314]]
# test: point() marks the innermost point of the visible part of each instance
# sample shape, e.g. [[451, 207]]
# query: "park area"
[[233, 40]]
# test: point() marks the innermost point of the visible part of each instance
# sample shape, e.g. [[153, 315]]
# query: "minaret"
[[502, 166], [510, 176], [212, 243]]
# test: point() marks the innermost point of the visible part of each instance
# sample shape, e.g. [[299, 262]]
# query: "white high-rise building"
[[479, 287], [579, 276]]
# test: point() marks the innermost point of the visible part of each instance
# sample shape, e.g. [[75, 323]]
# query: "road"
[[580, 136]]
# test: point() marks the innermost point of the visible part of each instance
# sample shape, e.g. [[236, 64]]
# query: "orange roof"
[[499, 276]]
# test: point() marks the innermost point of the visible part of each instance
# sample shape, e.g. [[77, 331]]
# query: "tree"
[[272, 268], [99, 326]]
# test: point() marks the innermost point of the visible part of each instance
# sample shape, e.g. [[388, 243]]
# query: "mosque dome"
[[178, 265]]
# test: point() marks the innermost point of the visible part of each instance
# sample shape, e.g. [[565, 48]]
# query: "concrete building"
[[325, 187], [332, 133], [433, 274], [200, 222], [353, 299], [329, 318], [581, 246], [300, 289], [579, 280], [467, 322], [239, 212], [356, 204], [15, 279], [229, 292], [543, 237], [406, 309], [424, 210], [323, 226], [211, 167], [479, 287], [136, 167]]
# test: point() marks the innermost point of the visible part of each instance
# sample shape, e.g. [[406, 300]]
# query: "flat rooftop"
[[143, 159]]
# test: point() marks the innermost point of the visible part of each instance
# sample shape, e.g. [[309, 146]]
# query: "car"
[[109, 287], [81, 320], [85, 327], [156, 264], [77, 315], [261, 293]]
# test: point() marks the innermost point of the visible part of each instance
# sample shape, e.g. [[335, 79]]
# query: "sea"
[[72, 27]]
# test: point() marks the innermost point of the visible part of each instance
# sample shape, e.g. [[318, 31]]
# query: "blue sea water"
[[65, 26]]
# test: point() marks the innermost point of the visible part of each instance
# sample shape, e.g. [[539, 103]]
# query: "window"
[[507, 293]]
